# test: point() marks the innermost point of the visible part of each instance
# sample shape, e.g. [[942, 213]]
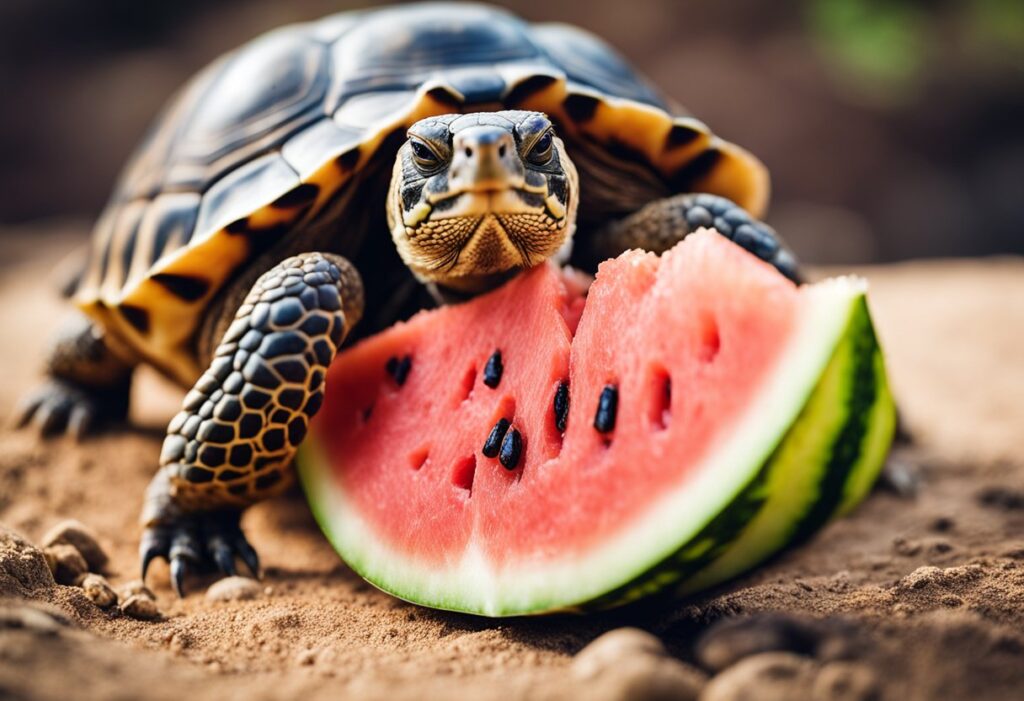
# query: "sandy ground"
[[928, 590]]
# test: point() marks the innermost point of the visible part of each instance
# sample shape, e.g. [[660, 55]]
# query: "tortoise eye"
[[541, 151], [424, 155]]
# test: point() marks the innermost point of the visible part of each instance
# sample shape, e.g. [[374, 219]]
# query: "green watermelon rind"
[[814, 453], [669, 527]]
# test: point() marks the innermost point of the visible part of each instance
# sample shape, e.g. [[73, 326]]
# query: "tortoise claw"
[[27, 409], [179, 569], [198, 543], [222, 555], [60, 407], [248, 555], [153, 545]]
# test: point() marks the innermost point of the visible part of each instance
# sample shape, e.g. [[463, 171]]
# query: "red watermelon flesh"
[[694, 345]]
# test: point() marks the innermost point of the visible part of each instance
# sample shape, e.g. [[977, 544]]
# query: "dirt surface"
[[927, 591]]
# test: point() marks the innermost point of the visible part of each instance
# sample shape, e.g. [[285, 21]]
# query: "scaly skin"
[[233, 441], [663, 223]]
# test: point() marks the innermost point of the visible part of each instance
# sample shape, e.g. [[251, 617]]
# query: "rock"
[[942, 524], [844, 681], [906, 548], [38, 618], [141, 607], [771, 676], [135, 587], [899, 476], [732, 639], [98, 590], [66, 562], [234, 589], [23, 567], [650, 679], [1002, 497], [629, 663], [72, 532], [607, 650]]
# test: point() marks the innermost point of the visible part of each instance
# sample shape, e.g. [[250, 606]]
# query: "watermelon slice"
[[687, 418]]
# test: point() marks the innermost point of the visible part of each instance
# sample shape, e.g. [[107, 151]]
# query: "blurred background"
[[893, 128]]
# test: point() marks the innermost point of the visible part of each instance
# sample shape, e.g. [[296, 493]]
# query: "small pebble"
[[906, 548], [72, 532], [943, 524], [772, 676], [628, 664], [66, 563], [234, 589], [306, 658], [140, 607], [606, 650], [732, 639], [900, 477], [1000, 497], [135, 587], [844, 681], [98, 590]]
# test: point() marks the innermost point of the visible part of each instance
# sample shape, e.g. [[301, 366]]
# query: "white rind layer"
[[472, 584]]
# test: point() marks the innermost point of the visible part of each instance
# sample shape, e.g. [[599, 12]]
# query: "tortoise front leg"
[[663, 223], [87, 382], [233, 441]]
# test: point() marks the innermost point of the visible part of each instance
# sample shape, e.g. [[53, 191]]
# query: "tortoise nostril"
[[469, 152], [501, 151]]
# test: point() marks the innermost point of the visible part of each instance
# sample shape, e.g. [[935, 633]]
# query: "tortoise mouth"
[[489, 186], [496, 201]]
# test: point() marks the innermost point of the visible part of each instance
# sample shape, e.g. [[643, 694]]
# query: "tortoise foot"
[[60, 406], [206, 542]]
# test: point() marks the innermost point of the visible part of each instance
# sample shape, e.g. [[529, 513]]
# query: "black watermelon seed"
[[492, 446], [493, 370], [511, 449], [607, 405], [561, 406], [402, 371], [399, 368]]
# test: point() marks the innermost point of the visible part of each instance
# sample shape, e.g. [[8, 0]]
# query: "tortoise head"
[[476, 196]]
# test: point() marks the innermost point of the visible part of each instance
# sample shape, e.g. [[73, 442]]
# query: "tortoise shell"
[[268, 136]]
